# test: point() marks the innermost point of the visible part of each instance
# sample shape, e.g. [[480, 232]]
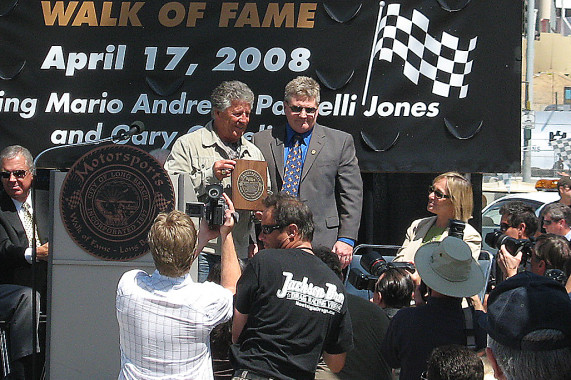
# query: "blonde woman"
[[449, 197]]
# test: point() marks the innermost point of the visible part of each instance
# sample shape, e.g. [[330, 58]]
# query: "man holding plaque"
[[209, 156], [318, 165]]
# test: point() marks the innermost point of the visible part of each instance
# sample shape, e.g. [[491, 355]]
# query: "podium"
[[82, 329]]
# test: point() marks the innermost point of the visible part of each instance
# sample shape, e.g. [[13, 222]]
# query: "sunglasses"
[[298, 109], [267, 229], [15, 173], [547, 222], [504, 227], [439, 194]]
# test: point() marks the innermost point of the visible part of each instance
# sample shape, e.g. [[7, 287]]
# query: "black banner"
[[423, 86]]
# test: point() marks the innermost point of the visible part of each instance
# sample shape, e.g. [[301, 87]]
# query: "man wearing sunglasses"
[[16, 232], [318, 165], [289, 307], [557, 219]]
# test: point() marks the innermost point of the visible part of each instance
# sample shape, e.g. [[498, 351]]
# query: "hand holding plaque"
[[249, 184]]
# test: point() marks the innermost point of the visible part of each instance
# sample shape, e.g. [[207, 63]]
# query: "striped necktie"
[[293, 166]]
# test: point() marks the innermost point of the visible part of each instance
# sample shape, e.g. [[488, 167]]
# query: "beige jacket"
[[195, 153]]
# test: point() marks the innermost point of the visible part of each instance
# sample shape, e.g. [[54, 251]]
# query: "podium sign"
[[249, 184]]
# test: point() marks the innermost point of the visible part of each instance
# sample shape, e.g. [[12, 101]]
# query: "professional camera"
[[212, 210], [496, 239], [456, 228], [375, 264]]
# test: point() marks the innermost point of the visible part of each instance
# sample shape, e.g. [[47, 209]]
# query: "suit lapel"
[[277, 147], [11, 215], [316, 143]]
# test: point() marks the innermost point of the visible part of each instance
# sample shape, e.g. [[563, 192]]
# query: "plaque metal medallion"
[[110, 198], [249, 184]]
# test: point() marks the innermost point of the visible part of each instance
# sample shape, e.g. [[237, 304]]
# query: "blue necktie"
[[293, 166]]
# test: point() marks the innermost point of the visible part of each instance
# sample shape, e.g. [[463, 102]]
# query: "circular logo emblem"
[[110, 198], [250, 185]]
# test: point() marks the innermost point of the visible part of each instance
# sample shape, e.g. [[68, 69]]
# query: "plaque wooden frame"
[[249, 184]]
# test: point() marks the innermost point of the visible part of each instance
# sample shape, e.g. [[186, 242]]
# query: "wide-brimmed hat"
[[448, 267]]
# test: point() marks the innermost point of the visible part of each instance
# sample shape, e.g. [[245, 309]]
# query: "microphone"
[[135, 128]]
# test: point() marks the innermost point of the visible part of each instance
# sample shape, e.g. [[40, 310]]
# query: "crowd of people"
[[270, 300]]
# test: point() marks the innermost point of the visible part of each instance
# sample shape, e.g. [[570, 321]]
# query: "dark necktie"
[[293, 166]]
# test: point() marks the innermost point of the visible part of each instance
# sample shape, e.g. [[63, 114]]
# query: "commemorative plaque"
[[110, 198], [249, 184]]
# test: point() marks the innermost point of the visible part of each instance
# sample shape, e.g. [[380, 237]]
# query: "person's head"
[[556, 218], [518, 220], [330, 259], [564, 188], [448, 268], [450, 196], [394, 289], [454, 362], [550, 252], [172, 241], [231, 106], [529, 328], [17, 171], [286, 222], [301, 102]]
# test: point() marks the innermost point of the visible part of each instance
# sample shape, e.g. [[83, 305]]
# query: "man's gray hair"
[[558, 211], [226, 92], [526, 364], [13, 151], [302, 87]]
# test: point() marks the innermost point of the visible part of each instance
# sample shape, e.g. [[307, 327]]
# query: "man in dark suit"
[[317, 164], [17, 173]]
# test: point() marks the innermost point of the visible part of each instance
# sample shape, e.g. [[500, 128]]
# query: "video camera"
[[212, 210], [375, 264]]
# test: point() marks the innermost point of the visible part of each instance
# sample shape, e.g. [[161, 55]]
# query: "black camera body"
[[375, 264], [212, 210], [497, 238]]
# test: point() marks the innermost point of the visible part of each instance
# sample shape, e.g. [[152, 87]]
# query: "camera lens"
[[214, 191]]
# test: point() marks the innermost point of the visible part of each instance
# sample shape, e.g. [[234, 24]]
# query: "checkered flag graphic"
[[446, 61], [562, 148]]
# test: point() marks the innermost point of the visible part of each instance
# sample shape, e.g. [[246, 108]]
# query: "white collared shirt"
[[165, 325]]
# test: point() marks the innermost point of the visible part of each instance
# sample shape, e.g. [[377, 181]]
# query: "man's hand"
[[507, 262], [253, 248], [223, 168], [345, 253], [42, 252], [230, 217]]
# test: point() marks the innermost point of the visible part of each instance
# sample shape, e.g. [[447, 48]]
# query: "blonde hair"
[[304, 88], [172, 241], [460, 190]]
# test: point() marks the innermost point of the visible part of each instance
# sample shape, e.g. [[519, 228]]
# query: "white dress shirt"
[[165, 324]]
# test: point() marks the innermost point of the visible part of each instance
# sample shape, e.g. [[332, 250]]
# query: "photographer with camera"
[[208, 155], [451, 273], [517, 226], [393, 290]]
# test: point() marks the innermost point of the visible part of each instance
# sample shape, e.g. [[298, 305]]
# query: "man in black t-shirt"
[[289, 308]]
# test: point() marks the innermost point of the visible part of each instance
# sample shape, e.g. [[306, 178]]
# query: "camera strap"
[[469, 327]]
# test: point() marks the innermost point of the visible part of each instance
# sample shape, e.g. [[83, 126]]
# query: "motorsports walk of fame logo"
[[110, 198], [250, 185]]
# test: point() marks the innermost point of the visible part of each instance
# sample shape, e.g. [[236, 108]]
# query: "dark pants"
[[16, 309]]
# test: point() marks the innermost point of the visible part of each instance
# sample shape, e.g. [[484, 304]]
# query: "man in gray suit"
[[317, 164]]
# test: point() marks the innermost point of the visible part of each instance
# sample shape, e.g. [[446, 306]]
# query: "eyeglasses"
[[439, 194], [547, 222], [298, 109], [15, 173], [267, 229], [504, 227]]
